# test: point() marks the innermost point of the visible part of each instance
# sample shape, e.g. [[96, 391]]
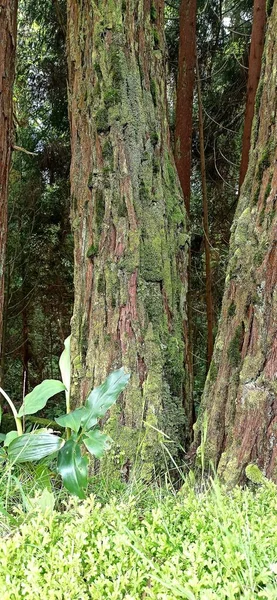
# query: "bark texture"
[[254, 71], [129, 224], [185, 87], [239, 406], [8, 14]]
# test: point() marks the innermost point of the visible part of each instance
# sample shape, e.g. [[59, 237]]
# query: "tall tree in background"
[[183, 131], [254, 70], [185, 87], [240, 394], [129, 223], [8, 15]]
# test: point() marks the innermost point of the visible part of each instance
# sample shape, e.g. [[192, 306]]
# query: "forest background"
[[206, 117]]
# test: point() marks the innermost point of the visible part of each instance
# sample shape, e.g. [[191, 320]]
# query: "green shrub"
[[207, 546]]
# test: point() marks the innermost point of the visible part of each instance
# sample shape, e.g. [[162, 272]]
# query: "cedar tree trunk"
[[254, 70], [129, 223], [185, 87], [183, 138], [8, 13], [240, 396]]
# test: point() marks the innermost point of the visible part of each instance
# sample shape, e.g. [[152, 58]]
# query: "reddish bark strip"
[[255, 62], [8, 13], [184, 105]]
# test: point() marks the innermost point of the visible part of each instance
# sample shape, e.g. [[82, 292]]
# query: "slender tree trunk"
[[8, 13], [254, 70], [185, 87], [209, 294], [240, 396], [183, 139], [129, 223]]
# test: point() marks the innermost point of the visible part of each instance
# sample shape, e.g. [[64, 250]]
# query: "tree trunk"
[[208, 274], [254, 70], [240, 396], [183, 139], [129, 223], [185, 87], [8, 13]]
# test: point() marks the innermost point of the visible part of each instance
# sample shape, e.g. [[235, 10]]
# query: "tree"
[[239, 411], [8, 15], [183, 133], [129, 223], [185, 87], [254, 70], [39, 255]]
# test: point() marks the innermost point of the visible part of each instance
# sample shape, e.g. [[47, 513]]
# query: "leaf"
[[64, 364], [97, 442], [2, 437], [30, 446], [73, 468], [11, 435], [43, 503], [73, 419], [3, 455], [37, 399], [104, 396]]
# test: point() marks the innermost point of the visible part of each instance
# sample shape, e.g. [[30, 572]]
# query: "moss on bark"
[[130, 229]]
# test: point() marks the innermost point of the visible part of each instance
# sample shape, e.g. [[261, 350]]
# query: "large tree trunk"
[[8, 13], [129, 223], [240, 397], [254, 70]]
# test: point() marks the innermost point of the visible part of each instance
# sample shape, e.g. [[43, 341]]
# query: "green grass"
[[142, 543]]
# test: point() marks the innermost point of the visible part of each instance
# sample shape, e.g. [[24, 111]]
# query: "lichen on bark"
[[129, 225], [239, 399]]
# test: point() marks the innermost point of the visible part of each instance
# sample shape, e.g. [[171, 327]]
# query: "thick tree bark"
[[129, 223], [240, 397], [8, 14], [254, 70]]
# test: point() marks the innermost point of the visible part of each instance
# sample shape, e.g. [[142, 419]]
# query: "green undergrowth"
[[133, 542]]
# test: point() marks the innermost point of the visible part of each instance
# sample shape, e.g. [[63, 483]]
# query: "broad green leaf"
[[73, 468], [73, 419], [64, 364], [2, 437], [97, 442], [37, 399], [30, 446], [12, 435], [104, 396]]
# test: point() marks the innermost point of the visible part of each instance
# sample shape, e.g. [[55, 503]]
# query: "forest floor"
[[132, 541]]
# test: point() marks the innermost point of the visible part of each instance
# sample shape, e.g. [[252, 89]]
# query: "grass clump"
[[197, 545]]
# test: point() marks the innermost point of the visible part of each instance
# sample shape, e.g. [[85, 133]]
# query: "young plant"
[[81, 425]]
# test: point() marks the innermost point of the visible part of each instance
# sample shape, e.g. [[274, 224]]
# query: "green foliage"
[[80, 425], [37, 399], [197, 545]]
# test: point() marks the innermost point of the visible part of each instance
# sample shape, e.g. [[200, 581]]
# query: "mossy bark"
[[240, 396], [129, 223], [8, 14]]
